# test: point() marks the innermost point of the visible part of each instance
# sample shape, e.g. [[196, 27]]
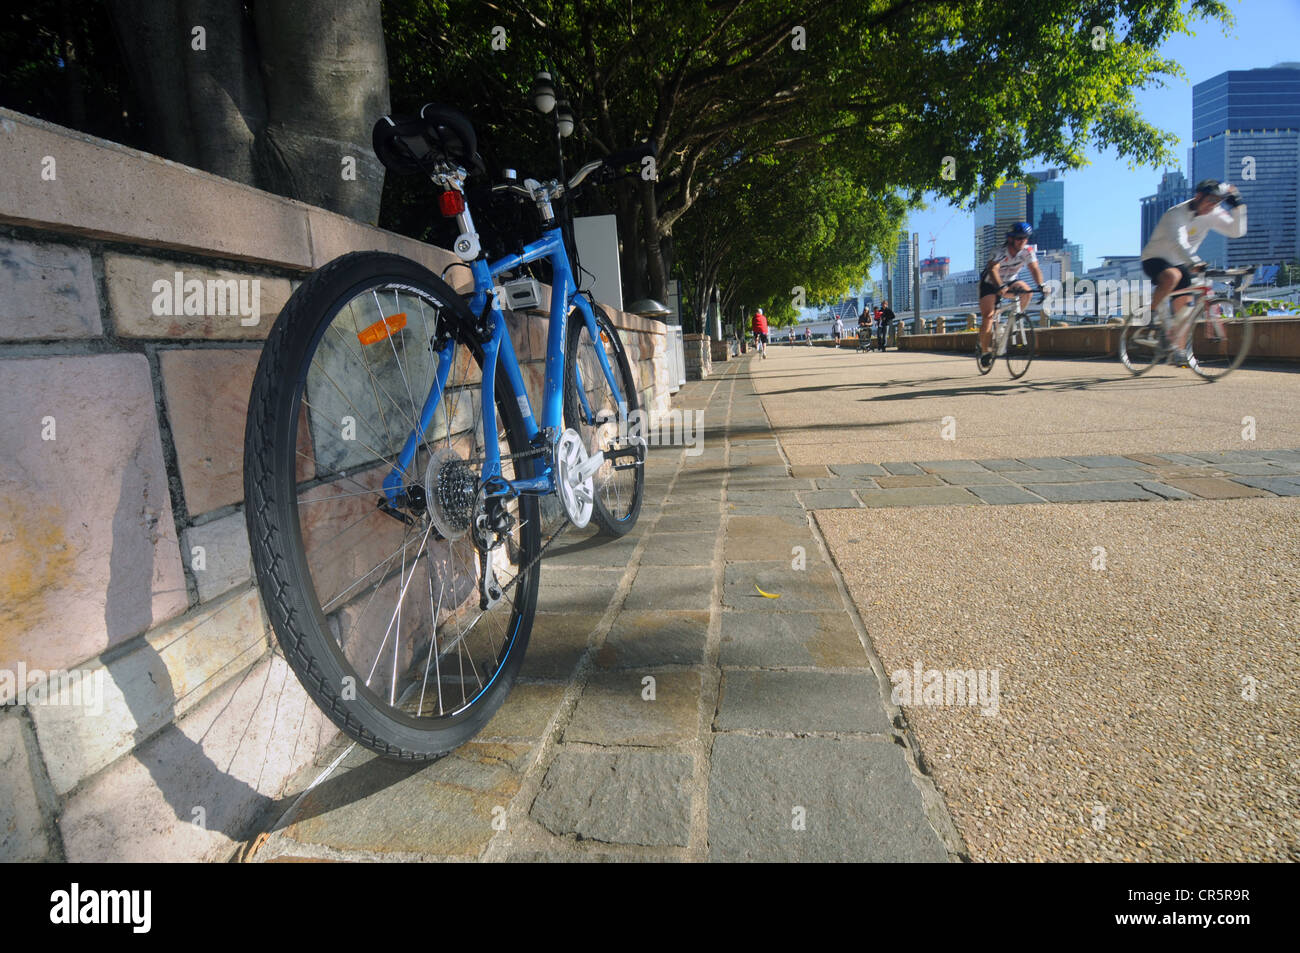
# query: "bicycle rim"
[[1221, 338], [1020, 347], [618, 487], [1139, 343], [387, 596]]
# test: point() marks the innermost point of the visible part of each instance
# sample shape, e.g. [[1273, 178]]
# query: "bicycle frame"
[[499, 349]]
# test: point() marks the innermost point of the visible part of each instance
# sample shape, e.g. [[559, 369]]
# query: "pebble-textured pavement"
[[1146, 651]]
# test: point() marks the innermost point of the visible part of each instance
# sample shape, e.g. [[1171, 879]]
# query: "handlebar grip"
[[631, 155]]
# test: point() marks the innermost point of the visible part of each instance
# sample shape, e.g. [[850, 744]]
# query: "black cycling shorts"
[[761, 336], [1152, 267], [988, 288]]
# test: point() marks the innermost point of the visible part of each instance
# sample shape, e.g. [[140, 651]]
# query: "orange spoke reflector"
[[382, 329]]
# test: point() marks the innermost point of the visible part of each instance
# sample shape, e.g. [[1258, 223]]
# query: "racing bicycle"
[[395, 467], [1218, 328], [1013, 340]]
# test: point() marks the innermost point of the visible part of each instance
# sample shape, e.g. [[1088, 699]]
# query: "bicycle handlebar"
[[554, 189]]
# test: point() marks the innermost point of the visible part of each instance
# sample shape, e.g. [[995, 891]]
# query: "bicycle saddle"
[[438, 136]]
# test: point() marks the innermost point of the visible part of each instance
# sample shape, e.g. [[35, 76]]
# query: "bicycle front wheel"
[[374, 590], [1139, 343], [1020, 346], [604, 422], [1220, 339]]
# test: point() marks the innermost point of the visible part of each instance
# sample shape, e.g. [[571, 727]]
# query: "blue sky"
[[1102, 199]]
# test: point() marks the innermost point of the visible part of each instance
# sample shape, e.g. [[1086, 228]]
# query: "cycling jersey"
[[1009, 263], [1180, 232]]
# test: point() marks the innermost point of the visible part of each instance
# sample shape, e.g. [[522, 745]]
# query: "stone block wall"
[[699, 356], [147, 712]]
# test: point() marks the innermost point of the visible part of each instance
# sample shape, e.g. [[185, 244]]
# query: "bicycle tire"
[[618, 496], [327, 632], [1020, 347], [1215, 356], [1139, 343]]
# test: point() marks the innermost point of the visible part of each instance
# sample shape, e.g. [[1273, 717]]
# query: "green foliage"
[[799, 163]]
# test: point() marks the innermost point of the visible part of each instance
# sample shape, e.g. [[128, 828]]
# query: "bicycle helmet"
[[1210, 187], [1020, 230]]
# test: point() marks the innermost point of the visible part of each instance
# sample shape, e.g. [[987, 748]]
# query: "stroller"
[[866, 340]]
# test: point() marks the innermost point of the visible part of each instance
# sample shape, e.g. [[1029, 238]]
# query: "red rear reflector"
[[382, 329], [451, 203]]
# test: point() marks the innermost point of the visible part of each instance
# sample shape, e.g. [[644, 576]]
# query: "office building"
[[994, 218], [1173, 188], [1246, 130], [900, 292], [1045, 209]]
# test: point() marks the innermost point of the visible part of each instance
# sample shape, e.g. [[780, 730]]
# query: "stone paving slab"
[[616, 709], [919, 479], [793, 799], [669, 587], [679, 549], [1004, 495], [624, 797], [800, 702], [1213, 488], [971, 478], [919, 496], [1164, 490], [829, 500], [806, 590], [1092, 475], [901, 468], [821, 639], [1101, 460], [1278, 485], [951, 466], [382, 807], [557, 644], [1089, 492], [858, 469], [1049, 463], [648, 640]]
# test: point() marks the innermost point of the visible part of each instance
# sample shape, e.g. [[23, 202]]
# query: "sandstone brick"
[[137, 694], [110, 191], [47, 291], [131, 296], [226, 559], [88, 549], [227, 764], [207, 404], [333, 235], [23, 837]]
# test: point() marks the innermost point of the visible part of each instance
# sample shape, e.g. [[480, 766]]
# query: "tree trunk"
[[284, 102]]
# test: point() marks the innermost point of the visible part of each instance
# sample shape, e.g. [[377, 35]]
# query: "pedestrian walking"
[[882, 329]]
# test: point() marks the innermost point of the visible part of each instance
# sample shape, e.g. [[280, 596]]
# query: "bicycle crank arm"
[[587, 468]]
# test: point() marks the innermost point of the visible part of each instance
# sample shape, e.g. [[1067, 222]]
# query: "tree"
[[280, 94], [906, 96]]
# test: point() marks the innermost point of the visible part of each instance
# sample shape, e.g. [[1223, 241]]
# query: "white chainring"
[[577, 492]]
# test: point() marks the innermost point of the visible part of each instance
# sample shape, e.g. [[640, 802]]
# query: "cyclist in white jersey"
[[998, 281], [1169, 257]]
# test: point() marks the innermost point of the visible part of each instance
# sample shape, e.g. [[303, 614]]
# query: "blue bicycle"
[[394, 467]]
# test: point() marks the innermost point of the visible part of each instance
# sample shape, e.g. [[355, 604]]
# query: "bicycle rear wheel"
[[1020, 346], [1221, 338], [1140, 347], [375, 599], [603, 422]]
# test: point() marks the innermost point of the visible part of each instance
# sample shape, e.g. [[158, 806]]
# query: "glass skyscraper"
[[1246, 130], [1173, 188], [1045, 209]]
